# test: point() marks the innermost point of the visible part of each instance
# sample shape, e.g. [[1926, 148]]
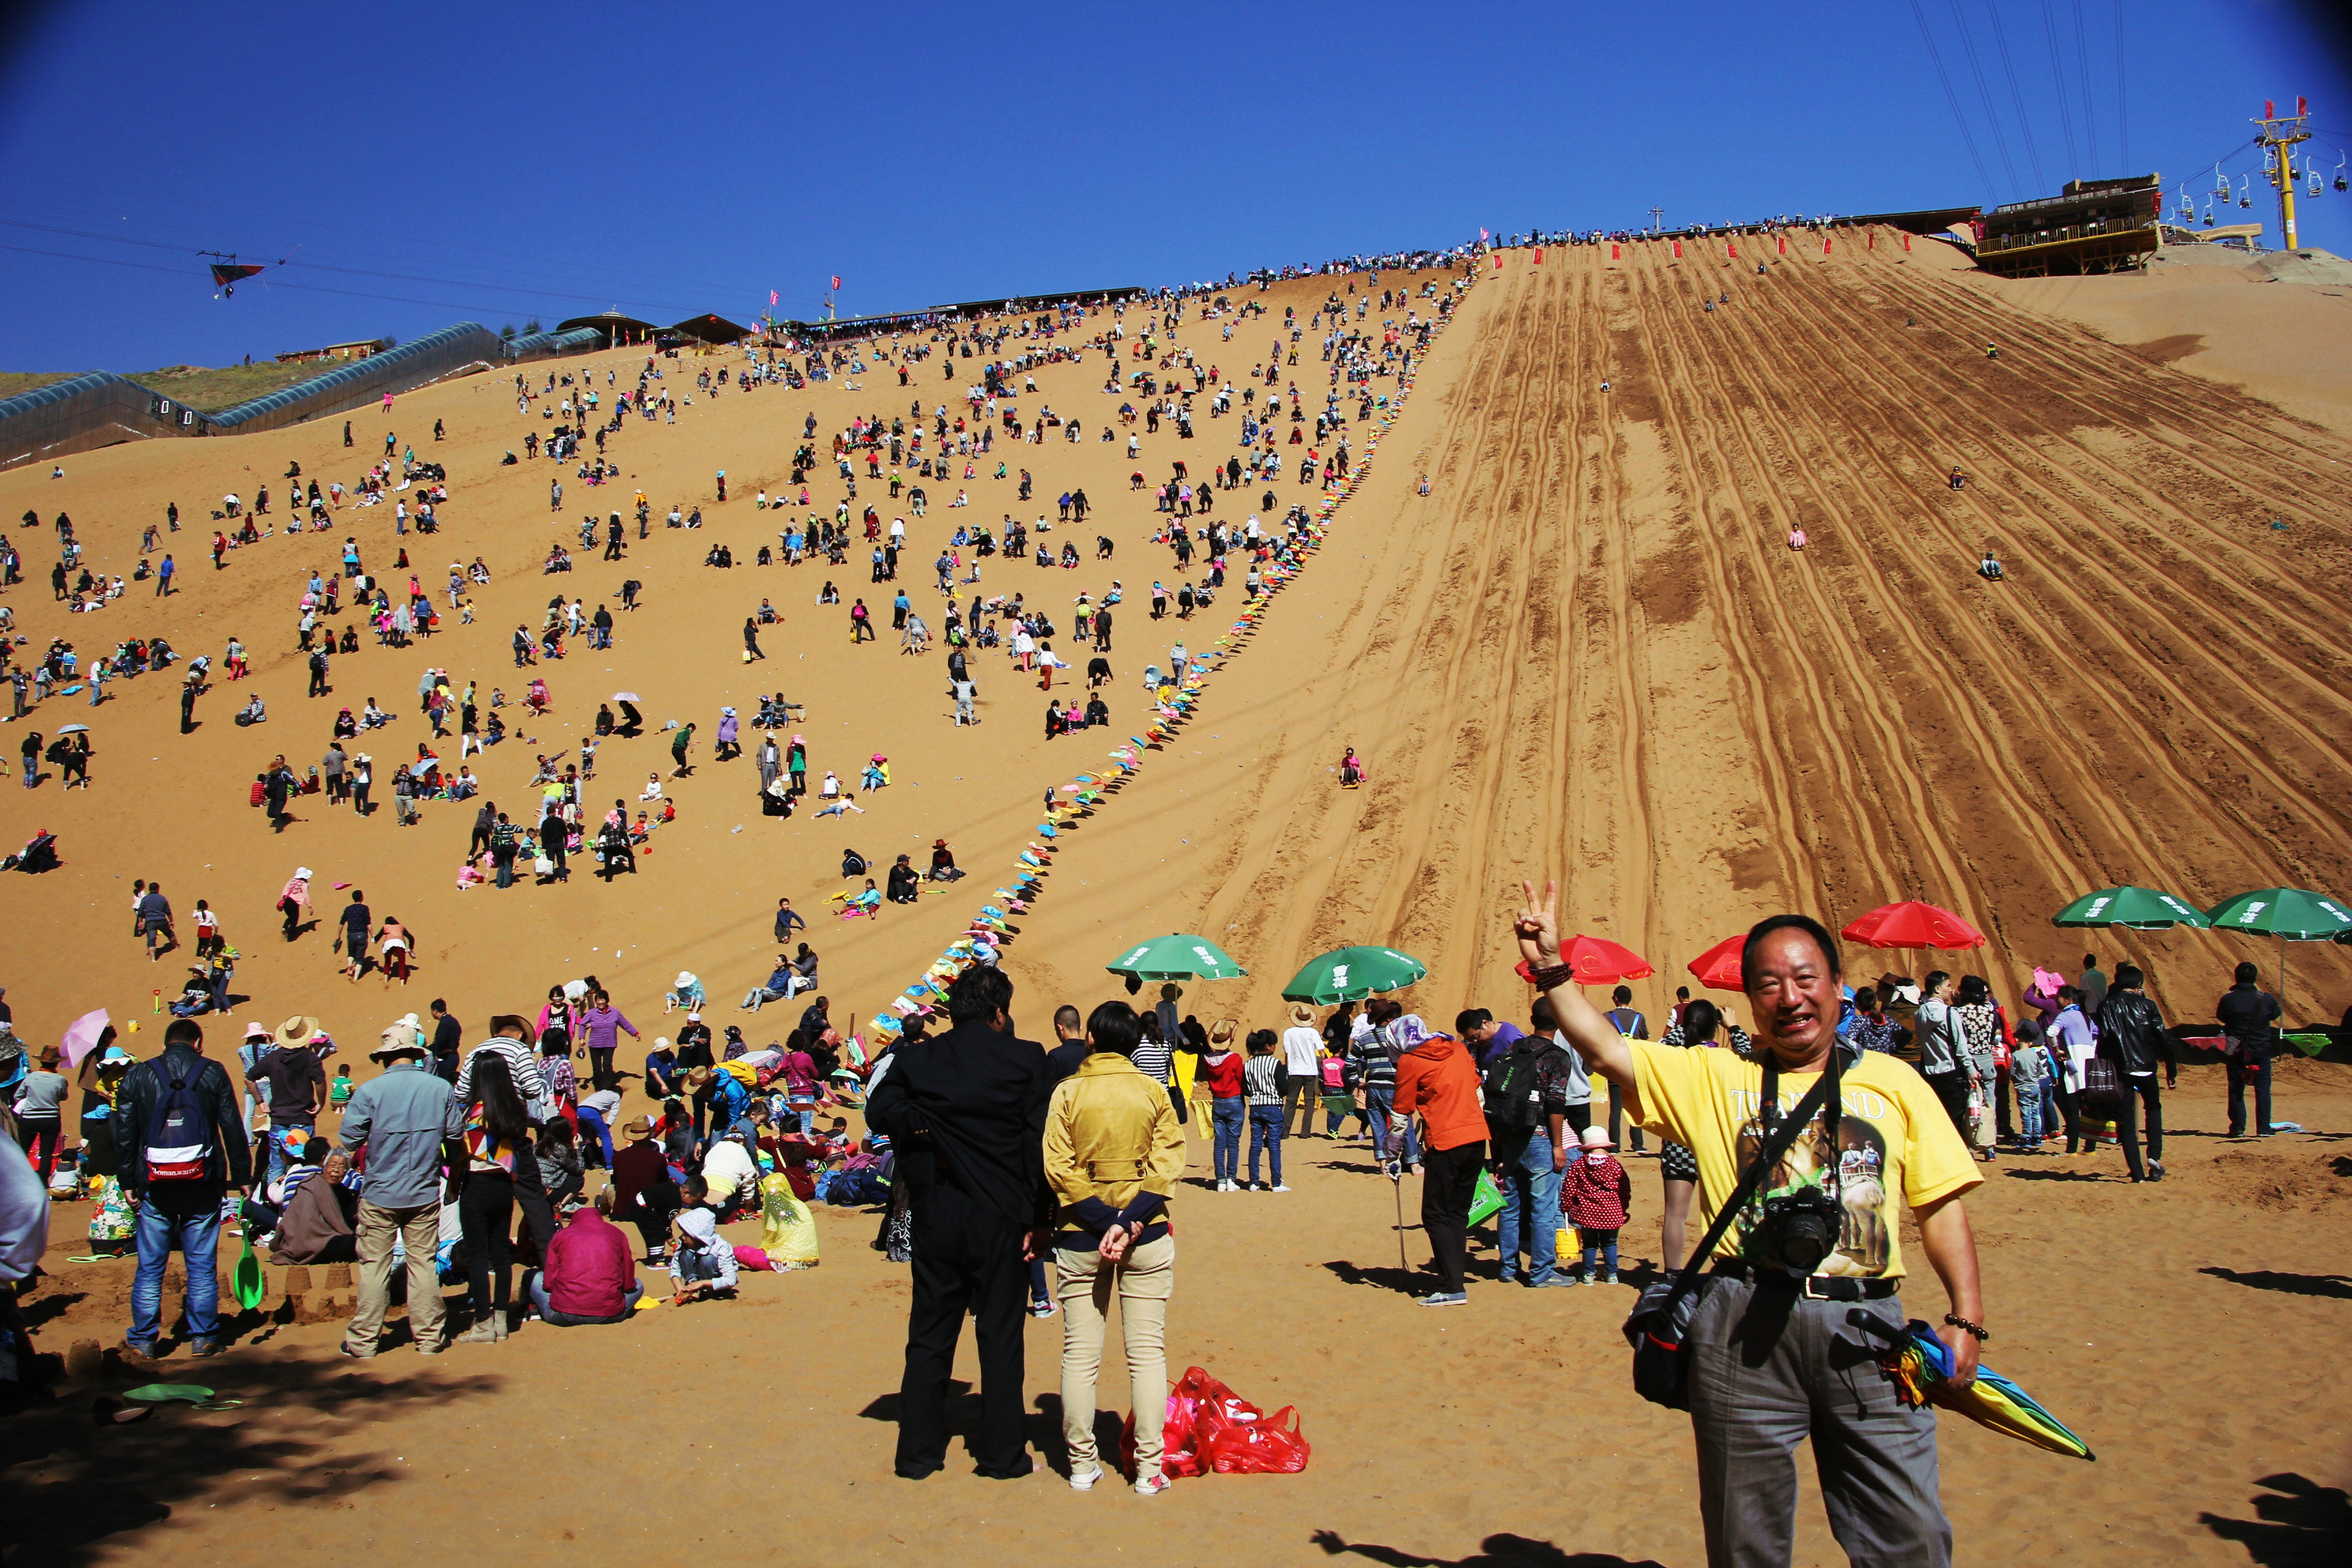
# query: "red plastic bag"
[[1209, 1426], [1179, 1452], [1270, 1444]]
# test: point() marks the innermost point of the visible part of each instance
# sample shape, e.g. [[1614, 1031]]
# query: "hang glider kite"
[[228, 272]]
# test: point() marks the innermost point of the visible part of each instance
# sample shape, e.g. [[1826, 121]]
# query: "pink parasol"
[[82, 1035]]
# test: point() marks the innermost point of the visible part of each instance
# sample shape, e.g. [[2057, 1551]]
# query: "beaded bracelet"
[[1975, 1330], [1555, 975]]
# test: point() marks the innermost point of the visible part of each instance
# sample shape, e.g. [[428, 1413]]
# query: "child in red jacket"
[[1596, 1197]]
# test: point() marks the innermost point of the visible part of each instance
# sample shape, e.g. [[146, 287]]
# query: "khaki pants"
[[1144, 1283], [420, 1230]]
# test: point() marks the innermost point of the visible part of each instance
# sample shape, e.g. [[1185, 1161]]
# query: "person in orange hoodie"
[[1435, 1077]]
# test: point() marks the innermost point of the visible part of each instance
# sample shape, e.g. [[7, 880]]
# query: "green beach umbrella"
[[2290, 914], [1352, 973], [1177, 958], [2142, 909]]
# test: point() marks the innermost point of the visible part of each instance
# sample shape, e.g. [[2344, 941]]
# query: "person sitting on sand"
[[1351, 771], [703, 1263], [1989, 568], [592, 1271]]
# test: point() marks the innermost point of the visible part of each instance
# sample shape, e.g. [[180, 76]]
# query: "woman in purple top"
[[600, 1024]]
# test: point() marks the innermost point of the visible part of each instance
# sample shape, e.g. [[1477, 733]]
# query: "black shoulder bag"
[[1659, 1326]]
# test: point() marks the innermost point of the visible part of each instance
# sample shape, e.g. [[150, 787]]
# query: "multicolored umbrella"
[[1352, 973], [1913, 924], [1177, 958], [1717, 968], [2142, 909], [1921, 1369]]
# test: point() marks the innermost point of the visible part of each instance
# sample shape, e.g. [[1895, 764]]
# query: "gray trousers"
[[1770, 1369]]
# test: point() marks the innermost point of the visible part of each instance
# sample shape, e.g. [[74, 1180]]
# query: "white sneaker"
[[1152, 1486], [1278, 1187], [1084, 1480]]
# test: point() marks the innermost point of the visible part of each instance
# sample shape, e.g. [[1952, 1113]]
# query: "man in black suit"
[[966, 1113]]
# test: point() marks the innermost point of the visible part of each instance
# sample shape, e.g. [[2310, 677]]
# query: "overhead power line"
[[1958, 119], [1992, 116], [2074, 165]]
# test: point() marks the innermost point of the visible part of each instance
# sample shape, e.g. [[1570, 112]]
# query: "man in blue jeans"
[[179, 1143], [1526, 1108]]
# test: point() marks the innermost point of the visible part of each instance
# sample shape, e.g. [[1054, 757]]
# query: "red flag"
[[1678, 250], [1869, 241], [771, 299], [1907, 241], [1482, 236], [1539, 256], [1735, 250], [837, 283], [1498, 261], [1784, 243], [1825, 244], [1612, 250]]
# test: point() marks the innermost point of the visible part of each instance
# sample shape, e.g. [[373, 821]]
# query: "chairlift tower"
[[1657, 220], [2279, 134]]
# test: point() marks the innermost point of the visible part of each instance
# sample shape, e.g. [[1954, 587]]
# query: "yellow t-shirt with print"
[[1896, 1146]]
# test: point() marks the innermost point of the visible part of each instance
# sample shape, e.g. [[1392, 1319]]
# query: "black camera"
[[1801, 1228]]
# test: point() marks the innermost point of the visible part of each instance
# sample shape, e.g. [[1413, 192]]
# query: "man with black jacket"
[[2249, 1016], [179, 1104], [2132, 1035], [966, 1113]]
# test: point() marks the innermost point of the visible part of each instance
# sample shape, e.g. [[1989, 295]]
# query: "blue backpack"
[[179, 1145]]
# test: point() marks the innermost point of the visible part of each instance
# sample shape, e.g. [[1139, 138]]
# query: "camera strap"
[[1779, 1132]]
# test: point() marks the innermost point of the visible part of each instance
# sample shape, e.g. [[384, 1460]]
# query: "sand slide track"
[[2141, 610]]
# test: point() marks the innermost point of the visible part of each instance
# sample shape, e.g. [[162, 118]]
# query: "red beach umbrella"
[[1913, 924], [1597, 961], [1717, 968]]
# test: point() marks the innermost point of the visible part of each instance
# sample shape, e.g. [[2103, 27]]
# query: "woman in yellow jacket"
[[1113, 1152]]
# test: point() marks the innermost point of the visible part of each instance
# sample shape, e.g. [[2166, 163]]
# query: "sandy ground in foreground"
[[1588, 652], [2187, 1331]]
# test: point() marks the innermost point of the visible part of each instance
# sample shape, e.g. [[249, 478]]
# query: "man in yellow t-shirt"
[[1778, 1354]]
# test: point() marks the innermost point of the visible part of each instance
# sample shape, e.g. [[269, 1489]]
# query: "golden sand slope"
[[1589, 649], [174, 808]]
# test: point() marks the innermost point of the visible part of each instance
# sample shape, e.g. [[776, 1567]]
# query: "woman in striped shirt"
[[1264, 1080]]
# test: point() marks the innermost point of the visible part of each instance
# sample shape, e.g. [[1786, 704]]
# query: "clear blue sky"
[[496, 163]]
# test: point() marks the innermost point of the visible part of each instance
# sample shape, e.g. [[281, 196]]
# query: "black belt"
[[1817, 1286]]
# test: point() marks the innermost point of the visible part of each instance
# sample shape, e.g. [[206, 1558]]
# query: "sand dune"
[[1588, 650], [1589, 647]]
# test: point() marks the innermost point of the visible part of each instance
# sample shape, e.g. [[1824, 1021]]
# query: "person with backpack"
[[1627, 1021], [179, 1144], [1526, 1098], [502, 850]]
